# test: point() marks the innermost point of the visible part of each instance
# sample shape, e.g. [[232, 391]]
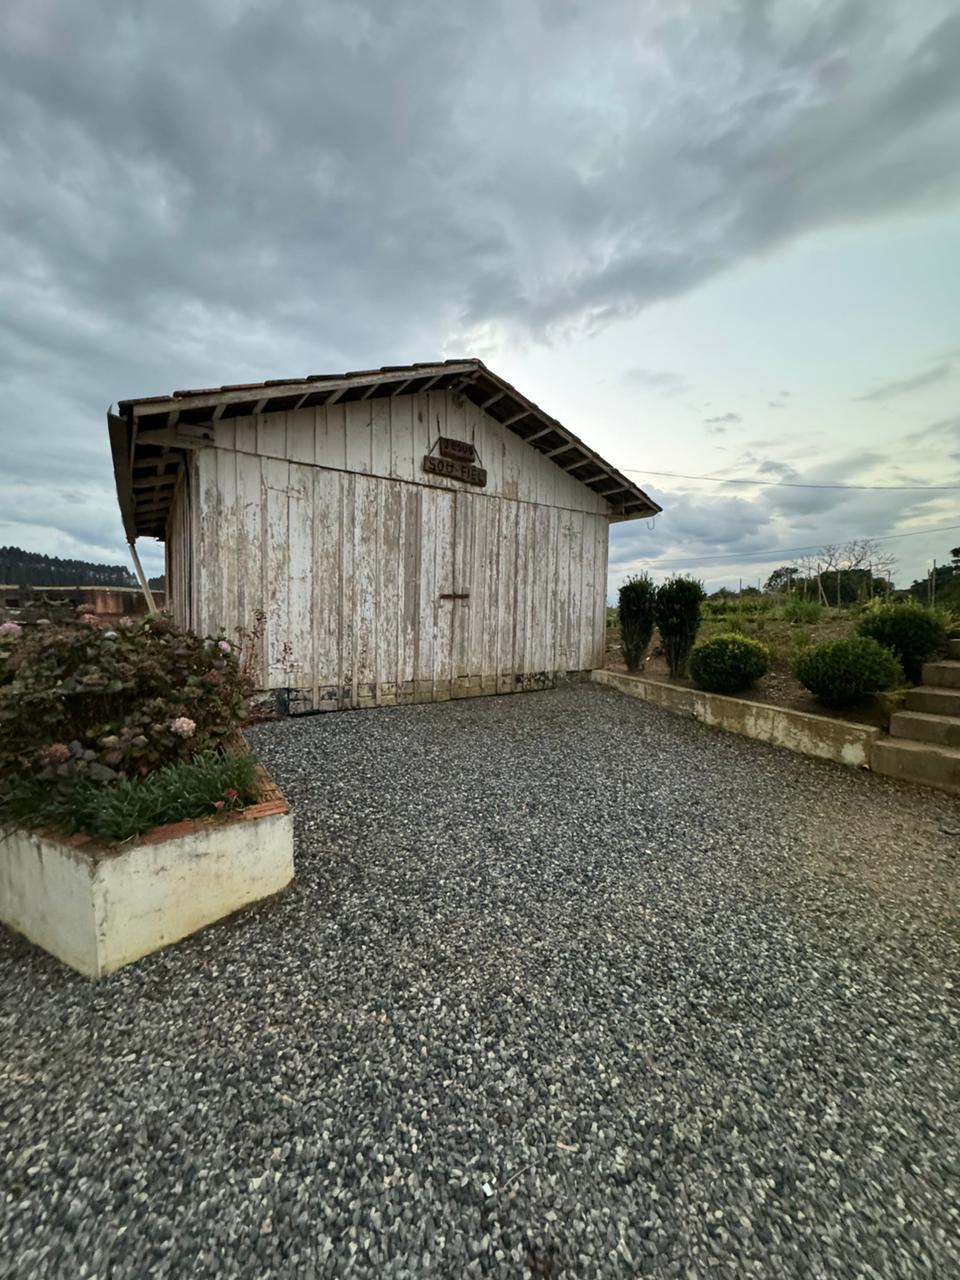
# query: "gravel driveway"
[[566, 986]]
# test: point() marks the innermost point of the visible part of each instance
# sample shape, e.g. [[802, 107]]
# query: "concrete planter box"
[[98, 907], [811, 735]]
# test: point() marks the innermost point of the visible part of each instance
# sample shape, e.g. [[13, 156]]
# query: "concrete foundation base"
[[307, 701]]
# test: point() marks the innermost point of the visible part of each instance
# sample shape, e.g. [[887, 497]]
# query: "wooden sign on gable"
[[456, 461]]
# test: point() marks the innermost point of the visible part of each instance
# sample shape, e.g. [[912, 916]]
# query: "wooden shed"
[[409, 533]]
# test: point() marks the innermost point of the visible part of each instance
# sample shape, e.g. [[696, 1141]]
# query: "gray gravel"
[[567, 986]]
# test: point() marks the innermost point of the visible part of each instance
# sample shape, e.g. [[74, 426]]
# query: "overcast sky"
[[709, 237]]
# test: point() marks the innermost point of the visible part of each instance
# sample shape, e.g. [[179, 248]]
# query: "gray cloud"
[[209, 191], [779, 470], [720, 537], [665, 381], [722, 420], [948, 428], [901, 386]]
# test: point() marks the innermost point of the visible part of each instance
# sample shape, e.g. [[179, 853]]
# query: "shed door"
[[450, 595]]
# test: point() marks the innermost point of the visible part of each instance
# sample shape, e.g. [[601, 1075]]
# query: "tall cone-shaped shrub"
[[677, 614], [637, 597]]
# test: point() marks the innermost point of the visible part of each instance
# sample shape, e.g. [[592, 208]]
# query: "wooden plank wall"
[[388, 437], [325, 520], [178, 555]]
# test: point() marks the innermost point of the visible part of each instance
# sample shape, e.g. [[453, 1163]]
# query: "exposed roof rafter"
[[151, 432]]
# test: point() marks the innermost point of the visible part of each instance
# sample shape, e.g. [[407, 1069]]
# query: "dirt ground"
[[780, 688]]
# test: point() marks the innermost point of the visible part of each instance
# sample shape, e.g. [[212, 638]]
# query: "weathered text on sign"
[[458, 450], [465, 471]]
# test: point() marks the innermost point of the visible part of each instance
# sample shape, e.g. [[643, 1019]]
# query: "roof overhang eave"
[[120, 450], [187, 419]]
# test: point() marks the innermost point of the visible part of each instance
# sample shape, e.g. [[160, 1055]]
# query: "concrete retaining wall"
[[97, 909], [810, 735]]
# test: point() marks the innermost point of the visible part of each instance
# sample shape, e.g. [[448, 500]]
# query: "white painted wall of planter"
[[98, 909]]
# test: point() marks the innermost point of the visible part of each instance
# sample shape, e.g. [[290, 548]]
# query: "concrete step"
[[953, 648], [923, 727], [922, 762], [945, 675], [935, 701]]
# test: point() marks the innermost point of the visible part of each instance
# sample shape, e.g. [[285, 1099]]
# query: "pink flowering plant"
[[230, 799], [78, 703]]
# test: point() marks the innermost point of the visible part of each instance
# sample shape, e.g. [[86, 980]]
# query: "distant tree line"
[[854, 571], [32, 568], [838, 574], [940, 585]]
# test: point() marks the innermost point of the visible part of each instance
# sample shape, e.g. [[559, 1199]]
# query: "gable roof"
[[147, 435]]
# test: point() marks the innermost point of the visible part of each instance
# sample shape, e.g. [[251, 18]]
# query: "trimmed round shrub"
[[911, 632], [677, 613], [728, 663], [637, 597], [843, 671]]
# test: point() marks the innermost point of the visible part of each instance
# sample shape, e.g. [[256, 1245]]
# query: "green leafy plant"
[[728, 663], [82, 701], [843, 671], [911, 632], [204, 786], [798, 610], [637, 598], [677, 614]]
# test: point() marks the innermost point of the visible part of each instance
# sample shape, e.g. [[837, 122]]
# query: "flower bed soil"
[[779, 688]]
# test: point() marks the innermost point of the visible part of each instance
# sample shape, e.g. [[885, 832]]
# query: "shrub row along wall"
[[810, 735]]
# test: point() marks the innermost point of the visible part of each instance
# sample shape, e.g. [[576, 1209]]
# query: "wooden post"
[[144, 584]]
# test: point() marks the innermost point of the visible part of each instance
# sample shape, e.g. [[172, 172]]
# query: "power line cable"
[[776, 552], [796, 484]]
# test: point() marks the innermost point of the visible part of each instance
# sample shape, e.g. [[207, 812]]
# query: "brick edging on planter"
[[274, 803], [810, 735], [271, 802]]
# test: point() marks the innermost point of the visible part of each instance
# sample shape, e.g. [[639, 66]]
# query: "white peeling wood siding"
[[178, 555], [324, 519]]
